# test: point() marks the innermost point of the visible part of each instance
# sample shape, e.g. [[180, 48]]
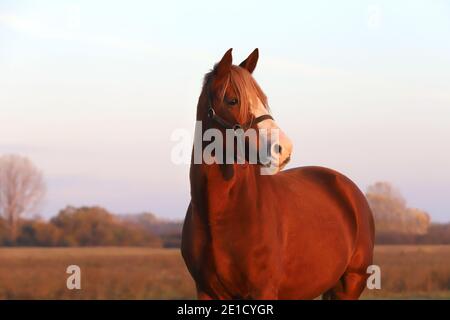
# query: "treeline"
[[395, 223], [95, 226], [22, 190], [88, 226]]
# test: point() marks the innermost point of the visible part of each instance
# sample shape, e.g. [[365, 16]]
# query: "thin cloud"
[[297, 67], [68, 29], [32, 25]]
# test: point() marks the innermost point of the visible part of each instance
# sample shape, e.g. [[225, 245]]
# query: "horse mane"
[[245, 87]]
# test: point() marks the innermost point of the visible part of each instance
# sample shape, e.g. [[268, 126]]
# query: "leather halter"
[[236, 126], [227, 125]]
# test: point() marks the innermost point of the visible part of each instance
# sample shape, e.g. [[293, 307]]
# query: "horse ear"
[[251, 61], [224, 65]]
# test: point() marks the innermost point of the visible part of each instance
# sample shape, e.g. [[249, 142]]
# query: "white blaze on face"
[[280, 144]]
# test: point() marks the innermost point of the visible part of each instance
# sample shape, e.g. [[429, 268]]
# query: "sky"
[[91, 92]]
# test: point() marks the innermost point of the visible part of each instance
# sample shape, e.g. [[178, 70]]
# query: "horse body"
[[296, 234]]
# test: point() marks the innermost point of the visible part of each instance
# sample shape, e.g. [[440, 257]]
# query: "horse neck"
[[215, 187], [218, 196]]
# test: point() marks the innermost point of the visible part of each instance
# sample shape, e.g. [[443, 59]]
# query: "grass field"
[[140, 273]]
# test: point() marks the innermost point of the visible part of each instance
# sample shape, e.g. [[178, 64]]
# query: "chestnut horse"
[[296, 234]]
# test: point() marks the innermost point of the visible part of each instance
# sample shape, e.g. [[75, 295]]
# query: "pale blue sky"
[[92, 90]]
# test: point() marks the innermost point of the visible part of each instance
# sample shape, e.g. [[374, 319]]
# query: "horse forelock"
[[245, 87]]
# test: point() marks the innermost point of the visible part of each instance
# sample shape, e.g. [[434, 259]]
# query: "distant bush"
[[437, 234], [171, 240], [85, 226], [169, 231], [4, 232], [39, 233]]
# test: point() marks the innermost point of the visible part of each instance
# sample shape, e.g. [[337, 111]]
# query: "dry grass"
[[140, 273], [106, 273], [413, 272]]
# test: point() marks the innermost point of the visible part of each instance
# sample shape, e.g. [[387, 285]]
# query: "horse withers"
[[292, 234]]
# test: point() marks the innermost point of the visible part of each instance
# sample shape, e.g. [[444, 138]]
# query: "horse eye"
[[232, 102]]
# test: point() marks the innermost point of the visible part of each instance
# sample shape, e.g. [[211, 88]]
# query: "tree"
[[392, 214], [22, 190]]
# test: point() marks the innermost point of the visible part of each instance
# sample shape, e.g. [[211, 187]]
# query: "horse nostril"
[[277, 148]]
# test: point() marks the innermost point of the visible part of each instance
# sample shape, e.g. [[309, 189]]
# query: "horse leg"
[[354, 280], [349, 287], [330, 294], [202, 295]]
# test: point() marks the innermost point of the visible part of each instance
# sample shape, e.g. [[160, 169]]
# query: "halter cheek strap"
[[227, 125]]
